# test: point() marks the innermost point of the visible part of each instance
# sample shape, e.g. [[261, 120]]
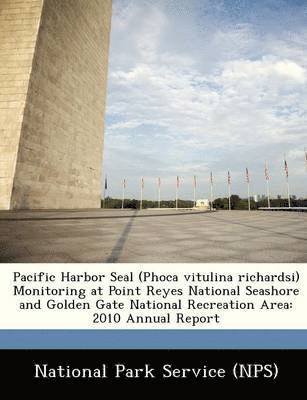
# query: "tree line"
[[237, 203], [242, 204], [109, 202]]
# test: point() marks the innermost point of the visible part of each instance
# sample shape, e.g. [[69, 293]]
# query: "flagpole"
[[211, 190], [141, 203], [287, 178], [194, 190], [177, 193], [105, 189], [229, 192], [104, 196], [248, 189], [123, 198], [288, 190], [268, 193], [159, 193], [267, 178]]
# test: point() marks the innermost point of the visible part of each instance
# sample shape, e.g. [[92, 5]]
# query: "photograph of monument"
[[153, 131]]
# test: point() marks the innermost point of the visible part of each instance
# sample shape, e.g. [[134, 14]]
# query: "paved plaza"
[[152, 236]]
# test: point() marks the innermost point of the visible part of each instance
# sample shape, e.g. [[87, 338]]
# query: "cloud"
[[297, 154], [208, 99], [264, 70]]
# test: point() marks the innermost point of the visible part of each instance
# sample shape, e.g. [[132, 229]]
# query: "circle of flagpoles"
[[267, 177]]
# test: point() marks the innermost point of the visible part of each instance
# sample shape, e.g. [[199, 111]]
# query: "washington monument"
[[53, 79]]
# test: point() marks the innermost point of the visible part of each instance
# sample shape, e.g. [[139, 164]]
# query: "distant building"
[[203, 203]]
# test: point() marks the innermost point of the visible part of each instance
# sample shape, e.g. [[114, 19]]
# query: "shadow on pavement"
[[118, 248]]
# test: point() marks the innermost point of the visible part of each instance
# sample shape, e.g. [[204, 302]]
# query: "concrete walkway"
[[148, 236]]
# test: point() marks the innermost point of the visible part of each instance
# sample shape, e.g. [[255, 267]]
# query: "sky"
[[206, 85]]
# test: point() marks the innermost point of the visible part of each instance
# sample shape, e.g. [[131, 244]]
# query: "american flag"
[[247, 176], [195, 181], [266, 171], [124, 183], [178, 182], [211, 178], [229, 178], [286, 169]]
